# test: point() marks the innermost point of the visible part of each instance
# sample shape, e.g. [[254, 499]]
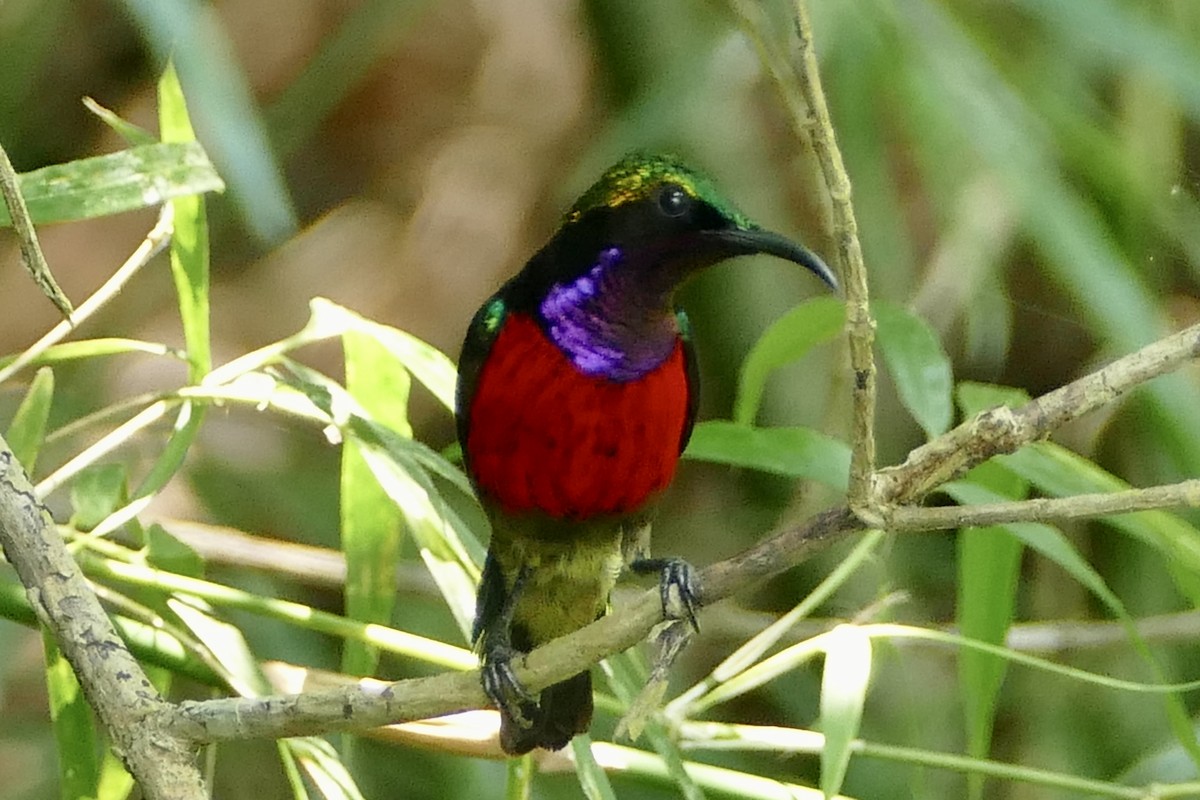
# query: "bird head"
[[665, 221]]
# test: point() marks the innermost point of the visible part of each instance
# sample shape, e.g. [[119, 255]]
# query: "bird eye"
[[673, 201]]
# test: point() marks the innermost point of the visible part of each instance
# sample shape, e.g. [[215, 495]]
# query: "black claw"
[[678, 574], [516, 703], [507, 692]]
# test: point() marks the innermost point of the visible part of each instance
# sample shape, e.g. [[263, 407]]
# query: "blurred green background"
[[1025, 178]]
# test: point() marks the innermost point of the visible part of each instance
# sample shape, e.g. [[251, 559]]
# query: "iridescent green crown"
[[638, 174]]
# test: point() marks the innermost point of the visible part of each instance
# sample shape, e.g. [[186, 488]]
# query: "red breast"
[[546, 437]]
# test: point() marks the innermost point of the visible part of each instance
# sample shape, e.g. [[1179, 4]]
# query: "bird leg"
[[677, 586], [499, 682]]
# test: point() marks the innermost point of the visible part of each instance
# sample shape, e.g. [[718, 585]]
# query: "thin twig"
[[800, 91], [860, 327], [31, 251], [1177, 495], [155, 240], [1005, 430]]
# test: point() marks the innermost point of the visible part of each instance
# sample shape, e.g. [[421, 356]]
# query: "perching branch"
[[990, 433], [115, 684]]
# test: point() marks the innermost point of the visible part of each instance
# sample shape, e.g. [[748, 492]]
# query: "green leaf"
[[918, 366], [975, 397], [92, 348], [74, 730], [593, 781], [230, 652], [324, 767], [788, 339], [629, 677], [1052, 544], [518, 783], [125, 181], [132, 134], [370, 522], [791, 452], [96, 493], [164, 551], [989, 566], [444, 543], [190, 32], [27, 430], [427, 364], [844, 683], [115, 781], [1058, 472], [189, 241]]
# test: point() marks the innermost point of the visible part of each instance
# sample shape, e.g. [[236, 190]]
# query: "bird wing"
[[481, 335], [692, 368]]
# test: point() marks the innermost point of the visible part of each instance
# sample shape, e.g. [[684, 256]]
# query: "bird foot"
[[677, 585], [505, 689]]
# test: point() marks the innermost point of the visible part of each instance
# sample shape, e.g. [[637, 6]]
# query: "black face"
[[661, 238]]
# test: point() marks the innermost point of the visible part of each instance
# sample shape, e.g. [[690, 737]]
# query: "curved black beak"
[[741, 241]]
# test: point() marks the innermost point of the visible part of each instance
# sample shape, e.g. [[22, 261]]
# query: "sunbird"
[[577, 394]]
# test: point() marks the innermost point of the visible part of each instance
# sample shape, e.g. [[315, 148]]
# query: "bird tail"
[[564, 710]]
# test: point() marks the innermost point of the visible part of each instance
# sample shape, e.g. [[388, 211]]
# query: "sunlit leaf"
[[844, 683], [370, 522], [124, 181], [28, 427]]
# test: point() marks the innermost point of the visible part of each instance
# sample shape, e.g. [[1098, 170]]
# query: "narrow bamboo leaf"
[[27, 430], [324, 768], [189, 268], [133, 134], [370, 522], [345, 412], [1051, 543], [918, 365], [844, 684], [189, 241], [74, 730], [115, 781], [791, 452], [592, 778], [1058, 472], [427, 364], [190, 32], [441, 543], [226, 644], [96, 493], [788, 339], [291, 769], [989, 566], [628, 676], [92, 348], [125, 181]]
